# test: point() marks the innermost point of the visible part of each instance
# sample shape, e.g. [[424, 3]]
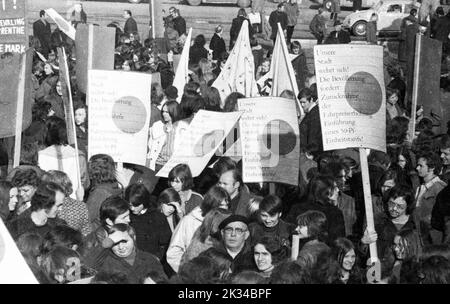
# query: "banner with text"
[[270, 140], [352, 97], [13, 27], [119, 115], [201, 140]]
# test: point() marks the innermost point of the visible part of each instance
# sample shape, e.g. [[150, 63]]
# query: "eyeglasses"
[[238, 231], [393, 205]]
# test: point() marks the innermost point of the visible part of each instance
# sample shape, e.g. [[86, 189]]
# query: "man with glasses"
[[234, 231]]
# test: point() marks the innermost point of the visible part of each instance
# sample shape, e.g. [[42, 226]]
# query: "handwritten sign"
[[352, 96], [13, 29], [270, 140], [119, 115], [201, 140], [13, 268]]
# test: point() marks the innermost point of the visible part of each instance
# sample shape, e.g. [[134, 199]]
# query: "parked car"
[[240, 3], [390, 15], [348, 3]]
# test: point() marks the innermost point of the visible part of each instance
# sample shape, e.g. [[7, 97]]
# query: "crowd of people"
[[214, 228]]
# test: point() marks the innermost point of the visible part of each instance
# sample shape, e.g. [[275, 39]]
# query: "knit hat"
[[171, 92], [233, 218]]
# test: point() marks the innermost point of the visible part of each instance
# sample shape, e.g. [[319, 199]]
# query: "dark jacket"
[[196, 53], [441, 209], [43, 32], [300, 69], [143, 264], [35, 133], [442, 28], [371, 32], [97, 196], [335, 217], [236, 28], [240, 204], [180, 25], [82, 139], [243, 261], [130, 26], [408, 28], [23, 223], [218, 46], [317, 25], [275, 18], [152, 232], [311, 130], [282, 232], [338, 37]]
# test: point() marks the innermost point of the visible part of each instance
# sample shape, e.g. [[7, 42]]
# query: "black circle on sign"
[[363, 93], [279, 137], [129, 114]]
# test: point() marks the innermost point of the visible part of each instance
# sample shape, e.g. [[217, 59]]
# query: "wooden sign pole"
[[63, 61], [415, 92], [19, 115], [374, 271]]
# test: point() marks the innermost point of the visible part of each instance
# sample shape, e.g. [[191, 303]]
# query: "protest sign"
[[238, 74], [352, 96], [182, 71], [426, 82], [62, 24], [200, 140], [95, 50], [270, 140], [10, 79], [119, 115], [352, 104], [13, 268], [13, 27]]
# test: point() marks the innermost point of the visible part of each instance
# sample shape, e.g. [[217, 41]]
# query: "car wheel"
[[194, 2], [135, 1], [327, 4], [243, 3], [360, 28]]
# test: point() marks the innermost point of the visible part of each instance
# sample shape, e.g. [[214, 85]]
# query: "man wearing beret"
[[234, 232]]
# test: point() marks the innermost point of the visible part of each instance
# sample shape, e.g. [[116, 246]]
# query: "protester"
[[236, 27], [278, 16], [180, 179], [339, 35], [317, 25], [217, 44], [42, 32], [81, 126], [130, 24], [26, 182], [310, 128], [267, 253], [371, 29], [180, 23], [293, 12], [42, 214]]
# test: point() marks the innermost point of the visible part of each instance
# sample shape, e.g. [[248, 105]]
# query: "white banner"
[[63, 25], [201, 140], [13, 268], [119, 115]]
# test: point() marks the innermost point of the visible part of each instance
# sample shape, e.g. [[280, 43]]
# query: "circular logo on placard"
[[279, 137], [363, 93], [2, 248], [129, 114]]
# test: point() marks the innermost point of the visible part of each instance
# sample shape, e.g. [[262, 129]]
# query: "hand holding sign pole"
[[353, 112]]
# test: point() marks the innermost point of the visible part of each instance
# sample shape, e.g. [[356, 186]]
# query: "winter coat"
[[275, 18], [97, 196], [218, 46], [152, 232], [300, 69], [243, 261], [311, 130], [182, 236], [143, 264], [293, 11]]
